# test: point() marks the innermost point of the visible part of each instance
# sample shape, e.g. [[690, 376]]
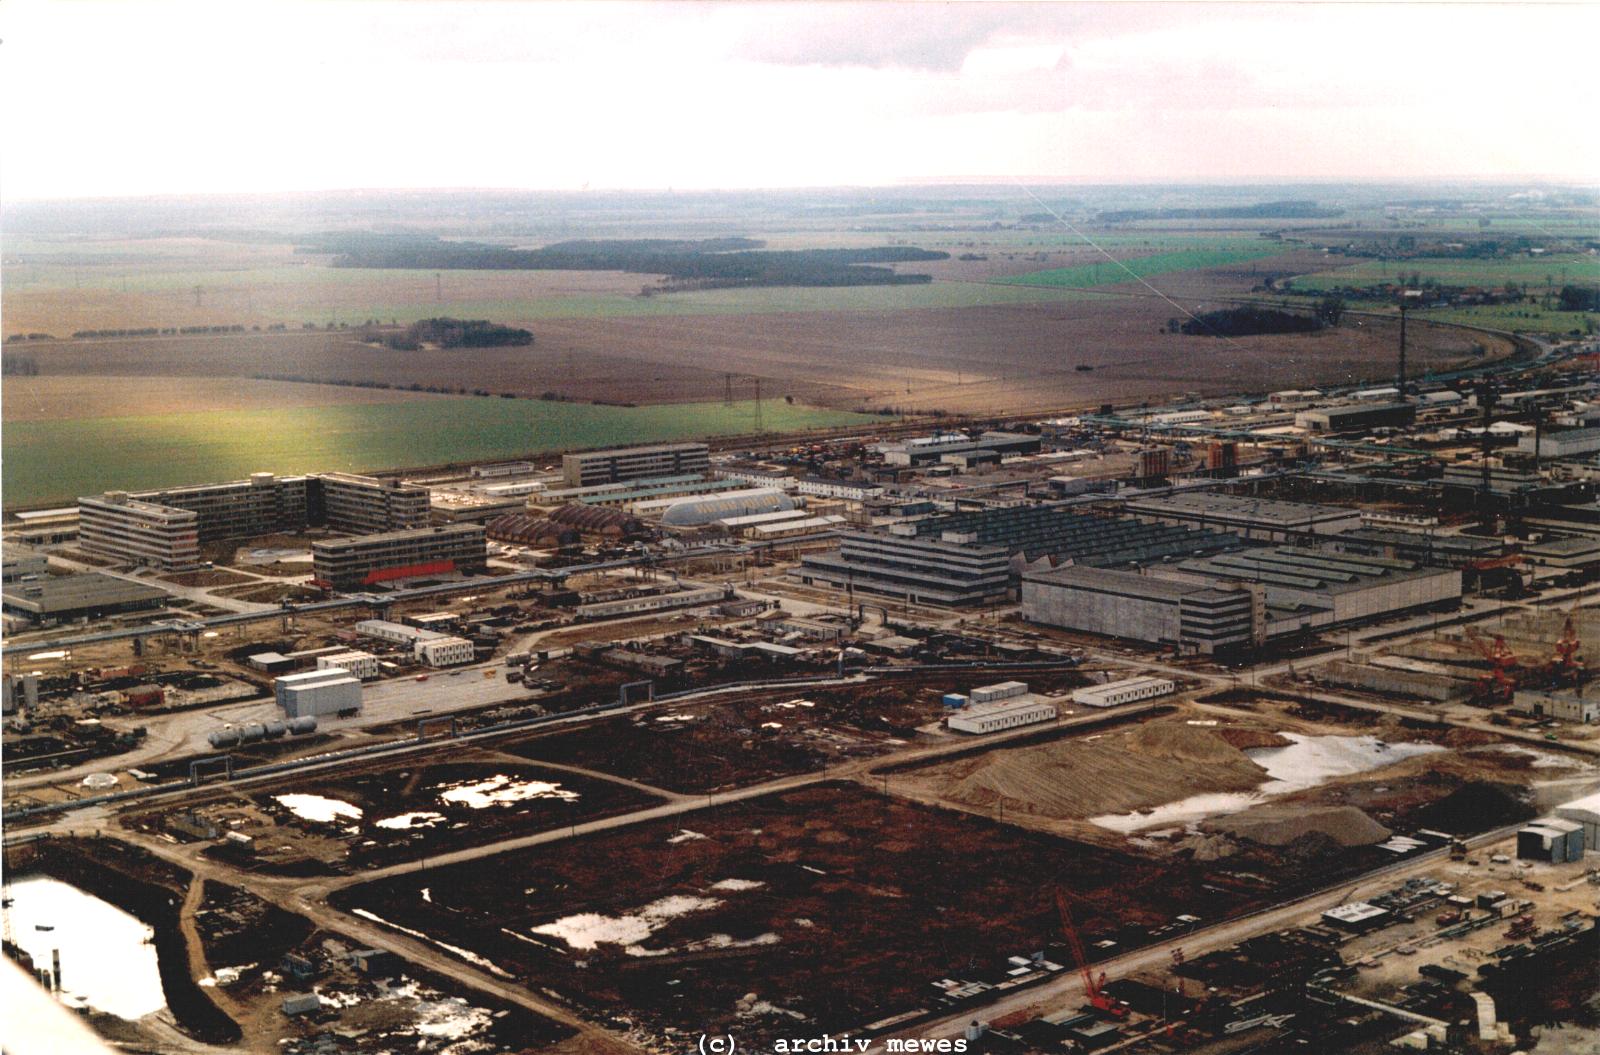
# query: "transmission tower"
[[759, 428], [727, 390]]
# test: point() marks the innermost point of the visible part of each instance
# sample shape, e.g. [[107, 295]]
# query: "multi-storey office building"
[[362, 560], [366, 505], [634, 463], [124, 528], [261, 505]]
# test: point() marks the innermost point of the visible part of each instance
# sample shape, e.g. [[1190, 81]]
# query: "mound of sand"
[[1246, 739], [1156, 763], [1282, 825]]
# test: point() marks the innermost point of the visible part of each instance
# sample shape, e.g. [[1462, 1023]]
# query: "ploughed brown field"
[[970, 359]]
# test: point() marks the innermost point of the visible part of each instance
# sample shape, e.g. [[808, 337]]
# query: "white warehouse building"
[[361, 665], [1128, 690], [996, 715], [332, 690]]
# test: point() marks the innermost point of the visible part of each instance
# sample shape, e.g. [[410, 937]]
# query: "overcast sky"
[[133, 97]]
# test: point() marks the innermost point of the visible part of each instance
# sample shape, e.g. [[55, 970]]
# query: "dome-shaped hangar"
[[708, 509]]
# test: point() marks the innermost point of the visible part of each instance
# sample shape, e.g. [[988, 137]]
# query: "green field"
[[1522, 318], [55, 461], [1088, 276], [751, 301], [1534, 272]]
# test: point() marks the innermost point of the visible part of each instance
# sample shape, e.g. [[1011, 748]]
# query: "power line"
[[1131, 272]]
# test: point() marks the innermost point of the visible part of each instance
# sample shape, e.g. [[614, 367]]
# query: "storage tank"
[[224, 737], [302, 726], [251, 733], [276, 729]]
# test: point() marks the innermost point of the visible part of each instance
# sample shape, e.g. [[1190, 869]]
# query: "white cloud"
[[141, 97]]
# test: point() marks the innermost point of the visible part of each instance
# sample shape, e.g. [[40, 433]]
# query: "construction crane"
[[1499, 684], [1093, 988], [1566, 666]]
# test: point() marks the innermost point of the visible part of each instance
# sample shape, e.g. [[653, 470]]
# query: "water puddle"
[[416, 819], [1305, 763], [318, 808], [501, 790], [107, 961], [737, 884]]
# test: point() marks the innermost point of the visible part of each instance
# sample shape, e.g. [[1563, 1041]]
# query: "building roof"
[[1122, 583], [1235, 507], [695, 512], [1306, 569], [53, 594]]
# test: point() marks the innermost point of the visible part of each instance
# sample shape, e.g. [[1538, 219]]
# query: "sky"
[[136, 97]]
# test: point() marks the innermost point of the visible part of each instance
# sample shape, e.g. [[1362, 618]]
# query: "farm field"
[[1560, 269], [56, 460], [82, 396], [1106, 273], [1523, 317]]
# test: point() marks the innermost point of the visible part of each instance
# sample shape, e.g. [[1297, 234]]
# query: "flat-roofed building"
[[444, 651], [1135, 607], [22, 562], [263, 504], [1315, 588], [331, 690], [974, 558], [126, 529], [1360, 417], [360, 560], [91, 595], [361, 665], [1008, 712], [1260, 519], [1127, 690], [588, 468], [369, 505]]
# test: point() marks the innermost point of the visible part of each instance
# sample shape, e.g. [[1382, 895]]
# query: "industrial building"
[[165, 527], [1357, 917], [426, 646], [1006, 705], [1312, 589], [1565, 443], [1553, 840], [1258, 519], [974, 558], [720, 505], [361, 665], [314, 693], [1584, 811], [57, 598], [634, 463], [1136, 607], [1361, 417], [22, 562], [1565, 705], [362, 560], [1127, 690], [928, 449], [1446, 551], [657, 602]]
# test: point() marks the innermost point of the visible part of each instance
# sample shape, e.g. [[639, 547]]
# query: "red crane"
[[1566, 667], [1500, 683], [1092, 987]]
